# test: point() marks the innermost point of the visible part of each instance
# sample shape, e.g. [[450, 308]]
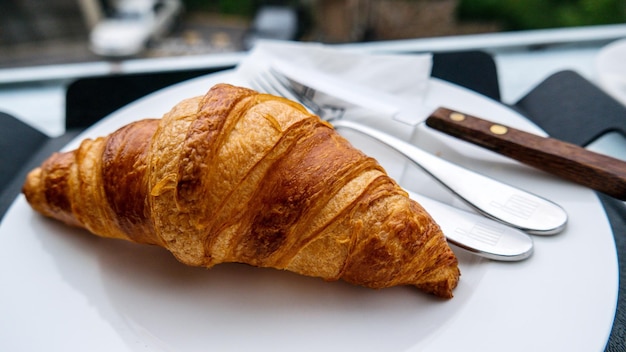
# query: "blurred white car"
[[133, 24], [272, 22]]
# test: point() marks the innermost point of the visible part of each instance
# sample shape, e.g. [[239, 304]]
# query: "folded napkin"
[[404, 76], [379, 71]]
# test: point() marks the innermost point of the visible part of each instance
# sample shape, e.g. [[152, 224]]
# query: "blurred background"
[[35, 32]]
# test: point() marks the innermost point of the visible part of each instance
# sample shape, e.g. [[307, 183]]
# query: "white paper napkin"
[[405, 76], [611, 71], [402, 75]]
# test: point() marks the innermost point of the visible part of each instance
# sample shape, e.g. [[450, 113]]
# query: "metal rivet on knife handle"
[[498, 129], [457, 116]]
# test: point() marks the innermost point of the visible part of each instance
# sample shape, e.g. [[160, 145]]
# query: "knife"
[[596, 171], [477, 234]]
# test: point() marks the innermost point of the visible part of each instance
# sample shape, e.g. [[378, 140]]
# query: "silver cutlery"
[[471, 232], [494, 199], [596, 171], [477, 234]]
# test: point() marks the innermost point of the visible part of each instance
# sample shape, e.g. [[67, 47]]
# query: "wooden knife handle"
[[577, 164]]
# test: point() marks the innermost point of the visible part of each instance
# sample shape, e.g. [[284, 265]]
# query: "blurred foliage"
[[245, 8], [227, 7], [537, 14]]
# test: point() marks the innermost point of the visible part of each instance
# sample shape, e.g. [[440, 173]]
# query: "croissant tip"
[[443, 289]]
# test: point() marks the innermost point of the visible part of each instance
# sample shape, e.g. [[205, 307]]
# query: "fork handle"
[[597, 171], [494, 199]]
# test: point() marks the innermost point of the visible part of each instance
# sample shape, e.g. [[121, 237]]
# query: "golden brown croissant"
[[238, 176]]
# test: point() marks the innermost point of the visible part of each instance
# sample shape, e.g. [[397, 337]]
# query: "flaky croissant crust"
[[238, 176]]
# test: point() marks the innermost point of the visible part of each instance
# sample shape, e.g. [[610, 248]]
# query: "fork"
[[492, 198]]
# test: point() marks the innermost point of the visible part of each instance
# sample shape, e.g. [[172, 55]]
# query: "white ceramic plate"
[[65, 290]]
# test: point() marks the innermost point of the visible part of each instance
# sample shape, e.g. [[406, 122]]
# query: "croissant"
[[239, 176]]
